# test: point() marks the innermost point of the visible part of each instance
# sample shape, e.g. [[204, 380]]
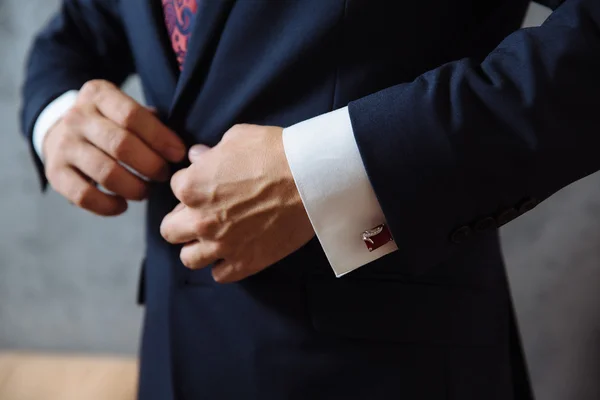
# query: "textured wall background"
[[68, 279]]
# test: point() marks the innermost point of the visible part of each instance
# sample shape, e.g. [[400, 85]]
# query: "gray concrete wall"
[[68, 279]]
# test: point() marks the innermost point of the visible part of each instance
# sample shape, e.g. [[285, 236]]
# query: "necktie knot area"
[[179, 18]]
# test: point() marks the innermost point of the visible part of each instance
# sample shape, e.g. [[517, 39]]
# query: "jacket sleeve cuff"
[[334, 187], [48, 117]]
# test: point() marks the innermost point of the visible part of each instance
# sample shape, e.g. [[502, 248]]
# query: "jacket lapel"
[[155, 49], [209, 23]]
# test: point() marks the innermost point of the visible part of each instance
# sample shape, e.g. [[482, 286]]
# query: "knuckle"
[[184, 191], [107, 172], [220, 248], [62, 143], [164, 232], [187, 194], [211, 224], [55, 165], [222, 216], [187, 261], [200, 227], [177, 187], [82, 197], [73, 117], [230, 273], [128, 115], [93, 87], [54, 152], [52, 174], [118, 145]]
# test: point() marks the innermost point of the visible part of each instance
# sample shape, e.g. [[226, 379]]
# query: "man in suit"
[[355, 253]]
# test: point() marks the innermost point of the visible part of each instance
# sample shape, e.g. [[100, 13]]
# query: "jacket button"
[[507, 216], [528, 205], [460, 235], [485, 224]]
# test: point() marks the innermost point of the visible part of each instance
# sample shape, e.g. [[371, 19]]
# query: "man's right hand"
[[103, 129]]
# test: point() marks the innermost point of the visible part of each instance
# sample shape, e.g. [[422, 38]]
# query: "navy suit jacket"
[[462, 127]]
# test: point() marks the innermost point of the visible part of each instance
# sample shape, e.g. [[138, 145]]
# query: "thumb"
[[196, 152]]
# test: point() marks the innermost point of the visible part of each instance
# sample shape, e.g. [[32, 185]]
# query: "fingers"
[[101, 137], [180, 226], [187, 188], [104, 170], [127, 113], [79, 191], [196, 152], [226, 272], [126, 147], [200, 254]]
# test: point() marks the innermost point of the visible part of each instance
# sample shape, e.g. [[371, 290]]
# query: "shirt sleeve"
[[335, 189], [48, 117]]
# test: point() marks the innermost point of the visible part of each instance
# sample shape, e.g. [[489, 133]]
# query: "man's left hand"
[[240, 209]]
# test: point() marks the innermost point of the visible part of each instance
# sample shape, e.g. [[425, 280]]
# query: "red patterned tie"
[[179, 15]]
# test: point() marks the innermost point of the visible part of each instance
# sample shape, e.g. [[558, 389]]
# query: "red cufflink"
[[377, 237]]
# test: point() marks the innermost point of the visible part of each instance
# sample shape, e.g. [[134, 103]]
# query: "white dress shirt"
[[328, 171], [334, 187]]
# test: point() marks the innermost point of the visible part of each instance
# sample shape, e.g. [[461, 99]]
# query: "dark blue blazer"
[[460, 130]]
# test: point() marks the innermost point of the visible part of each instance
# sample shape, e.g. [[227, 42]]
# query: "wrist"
[[45, 141], [49, 117]]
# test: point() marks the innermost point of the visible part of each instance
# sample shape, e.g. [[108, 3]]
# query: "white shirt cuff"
[[335, 189], [49, 116]]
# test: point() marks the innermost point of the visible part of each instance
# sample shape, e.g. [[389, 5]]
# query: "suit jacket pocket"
[[407, 312]]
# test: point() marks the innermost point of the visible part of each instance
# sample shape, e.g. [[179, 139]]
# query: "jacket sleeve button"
[[507, 216], [460, 235], [485, 224], [528, 205]]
